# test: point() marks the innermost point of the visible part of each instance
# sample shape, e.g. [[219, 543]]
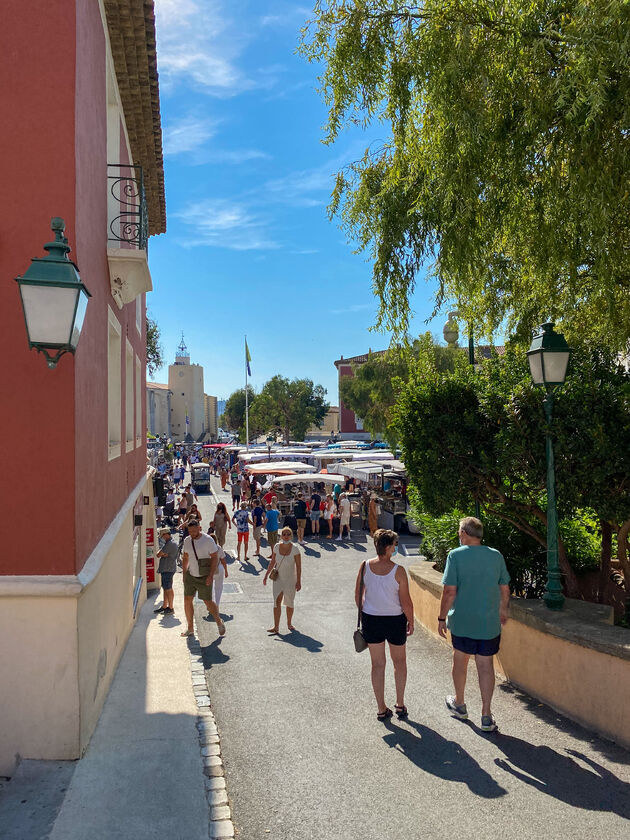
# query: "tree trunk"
[[570, 578], [605, 558]]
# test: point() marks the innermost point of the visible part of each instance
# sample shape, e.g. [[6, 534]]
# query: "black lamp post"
[[54, 299], [548, 358]]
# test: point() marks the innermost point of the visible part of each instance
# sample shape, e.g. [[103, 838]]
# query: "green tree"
[[371, 393], [155, 352], [235, 410], [507, 157], [482, 436], [290, 407]]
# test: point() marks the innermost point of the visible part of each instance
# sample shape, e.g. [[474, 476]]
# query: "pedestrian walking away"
[[386, 616], [242, 520], [474, 607], [287, 560], [220, 574], [344, 515], [258, 518], [273, 520], [316, 501], [236, 493], [299, 511], [166, 568], [200, 557], [221, 522]]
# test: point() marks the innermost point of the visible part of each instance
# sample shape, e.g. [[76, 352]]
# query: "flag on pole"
[[248, 359]]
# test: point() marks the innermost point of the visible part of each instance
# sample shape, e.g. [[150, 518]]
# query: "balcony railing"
[[128, 223]]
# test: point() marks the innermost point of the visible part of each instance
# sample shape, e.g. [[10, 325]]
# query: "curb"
[[220, 823]]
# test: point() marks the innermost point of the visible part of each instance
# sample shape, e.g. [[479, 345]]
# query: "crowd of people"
[[474, 604]]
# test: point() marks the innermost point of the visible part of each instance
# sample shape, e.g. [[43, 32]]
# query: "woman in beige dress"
[[288, 560], [221, 523]]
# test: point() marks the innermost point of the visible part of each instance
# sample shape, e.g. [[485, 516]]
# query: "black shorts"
[[384, 628], [476, 647]]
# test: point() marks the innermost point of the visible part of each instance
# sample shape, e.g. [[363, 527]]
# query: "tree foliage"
[[155, 352], [234, 414], [467, 435], [289, 407], [371, 393], [507, 159]]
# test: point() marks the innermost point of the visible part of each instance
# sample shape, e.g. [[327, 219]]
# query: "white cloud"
[[355, 307], [198, 40], [222, 223], [187, 135], [287, 16]]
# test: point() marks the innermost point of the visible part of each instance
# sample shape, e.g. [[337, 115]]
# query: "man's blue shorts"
[[315, 514], [476, 647], [167, 579]]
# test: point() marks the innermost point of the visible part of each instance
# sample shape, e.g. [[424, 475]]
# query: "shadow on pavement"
[[301, 640], [248, 567], [562, 724], [213, 655], [440, 757], [309, 552], [593, 788]]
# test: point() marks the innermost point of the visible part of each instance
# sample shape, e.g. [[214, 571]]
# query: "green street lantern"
[[548, 358], [54, 299]]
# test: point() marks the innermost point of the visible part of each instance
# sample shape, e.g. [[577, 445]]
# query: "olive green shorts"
[[197, 586], [272, 538]]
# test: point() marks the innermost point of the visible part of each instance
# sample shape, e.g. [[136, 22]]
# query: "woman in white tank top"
[[386, 616]]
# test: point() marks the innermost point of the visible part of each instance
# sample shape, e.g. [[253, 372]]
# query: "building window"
[[129, 396], [114, 350], [138, 402]]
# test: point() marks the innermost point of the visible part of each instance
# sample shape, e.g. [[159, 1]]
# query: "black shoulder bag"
[[359, 640]]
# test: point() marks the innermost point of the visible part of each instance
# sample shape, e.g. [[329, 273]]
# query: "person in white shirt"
[[200, 557], [344, 515]]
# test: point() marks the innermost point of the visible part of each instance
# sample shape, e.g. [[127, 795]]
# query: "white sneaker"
[[339, 539]]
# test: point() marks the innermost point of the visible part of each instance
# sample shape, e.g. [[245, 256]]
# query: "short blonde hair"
[[286, 530], [472, 526]]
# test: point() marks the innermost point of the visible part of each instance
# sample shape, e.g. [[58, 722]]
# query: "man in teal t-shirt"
[[474, 606]]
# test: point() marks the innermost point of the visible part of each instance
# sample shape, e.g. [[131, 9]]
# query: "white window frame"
[[138, 401], [130, 397], [114, 385]]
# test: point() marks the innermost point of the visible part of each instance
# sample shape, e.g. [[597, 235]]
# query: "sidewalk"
[[143, 773]]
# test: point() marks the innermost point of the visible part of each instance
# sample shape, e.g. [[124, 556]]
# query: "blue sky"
[[249, 248]]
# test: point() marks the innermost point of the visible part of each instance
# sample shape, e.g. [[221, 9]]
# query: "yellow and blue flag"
[[248, 359]]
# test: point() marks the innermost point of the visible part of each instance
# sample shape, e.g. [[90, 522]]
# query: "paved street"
[[306, 758]]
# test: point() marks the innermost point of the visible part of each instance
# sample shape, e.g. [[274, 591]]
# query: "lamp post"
[[54, 299], [270, 440], [451, 336], [548, 358]]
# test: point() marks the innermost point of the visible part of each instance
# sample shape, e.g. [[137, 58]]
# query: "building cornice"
[[131, 27]]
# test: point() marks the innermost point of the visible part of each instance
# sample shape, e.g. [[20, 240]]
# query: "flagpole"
[[246, 400]]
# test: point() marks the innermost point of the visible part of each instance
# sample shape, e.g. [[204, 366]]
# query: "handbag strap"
[[361, 586]]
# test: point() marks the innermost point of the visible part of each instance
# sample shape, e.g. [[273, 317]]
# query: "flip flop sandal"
[[401, 712], [221, 627], [187, 633], [382, 716]]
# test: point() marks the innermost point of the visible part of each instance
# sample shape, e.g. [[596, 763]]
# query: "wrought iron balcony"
[[128, 223]]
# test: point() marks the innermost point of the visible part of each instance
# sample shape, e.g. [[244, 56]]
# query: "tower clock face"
[[181, 373]]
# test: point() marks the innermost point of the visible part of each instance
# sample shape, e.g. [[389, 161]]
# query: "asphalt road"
[[306, 758]]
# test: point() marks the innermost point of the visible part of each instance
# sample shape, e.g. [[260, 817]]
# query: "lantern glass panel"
[[535, 367], [555, 367], [49, 313], [78, 321]]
